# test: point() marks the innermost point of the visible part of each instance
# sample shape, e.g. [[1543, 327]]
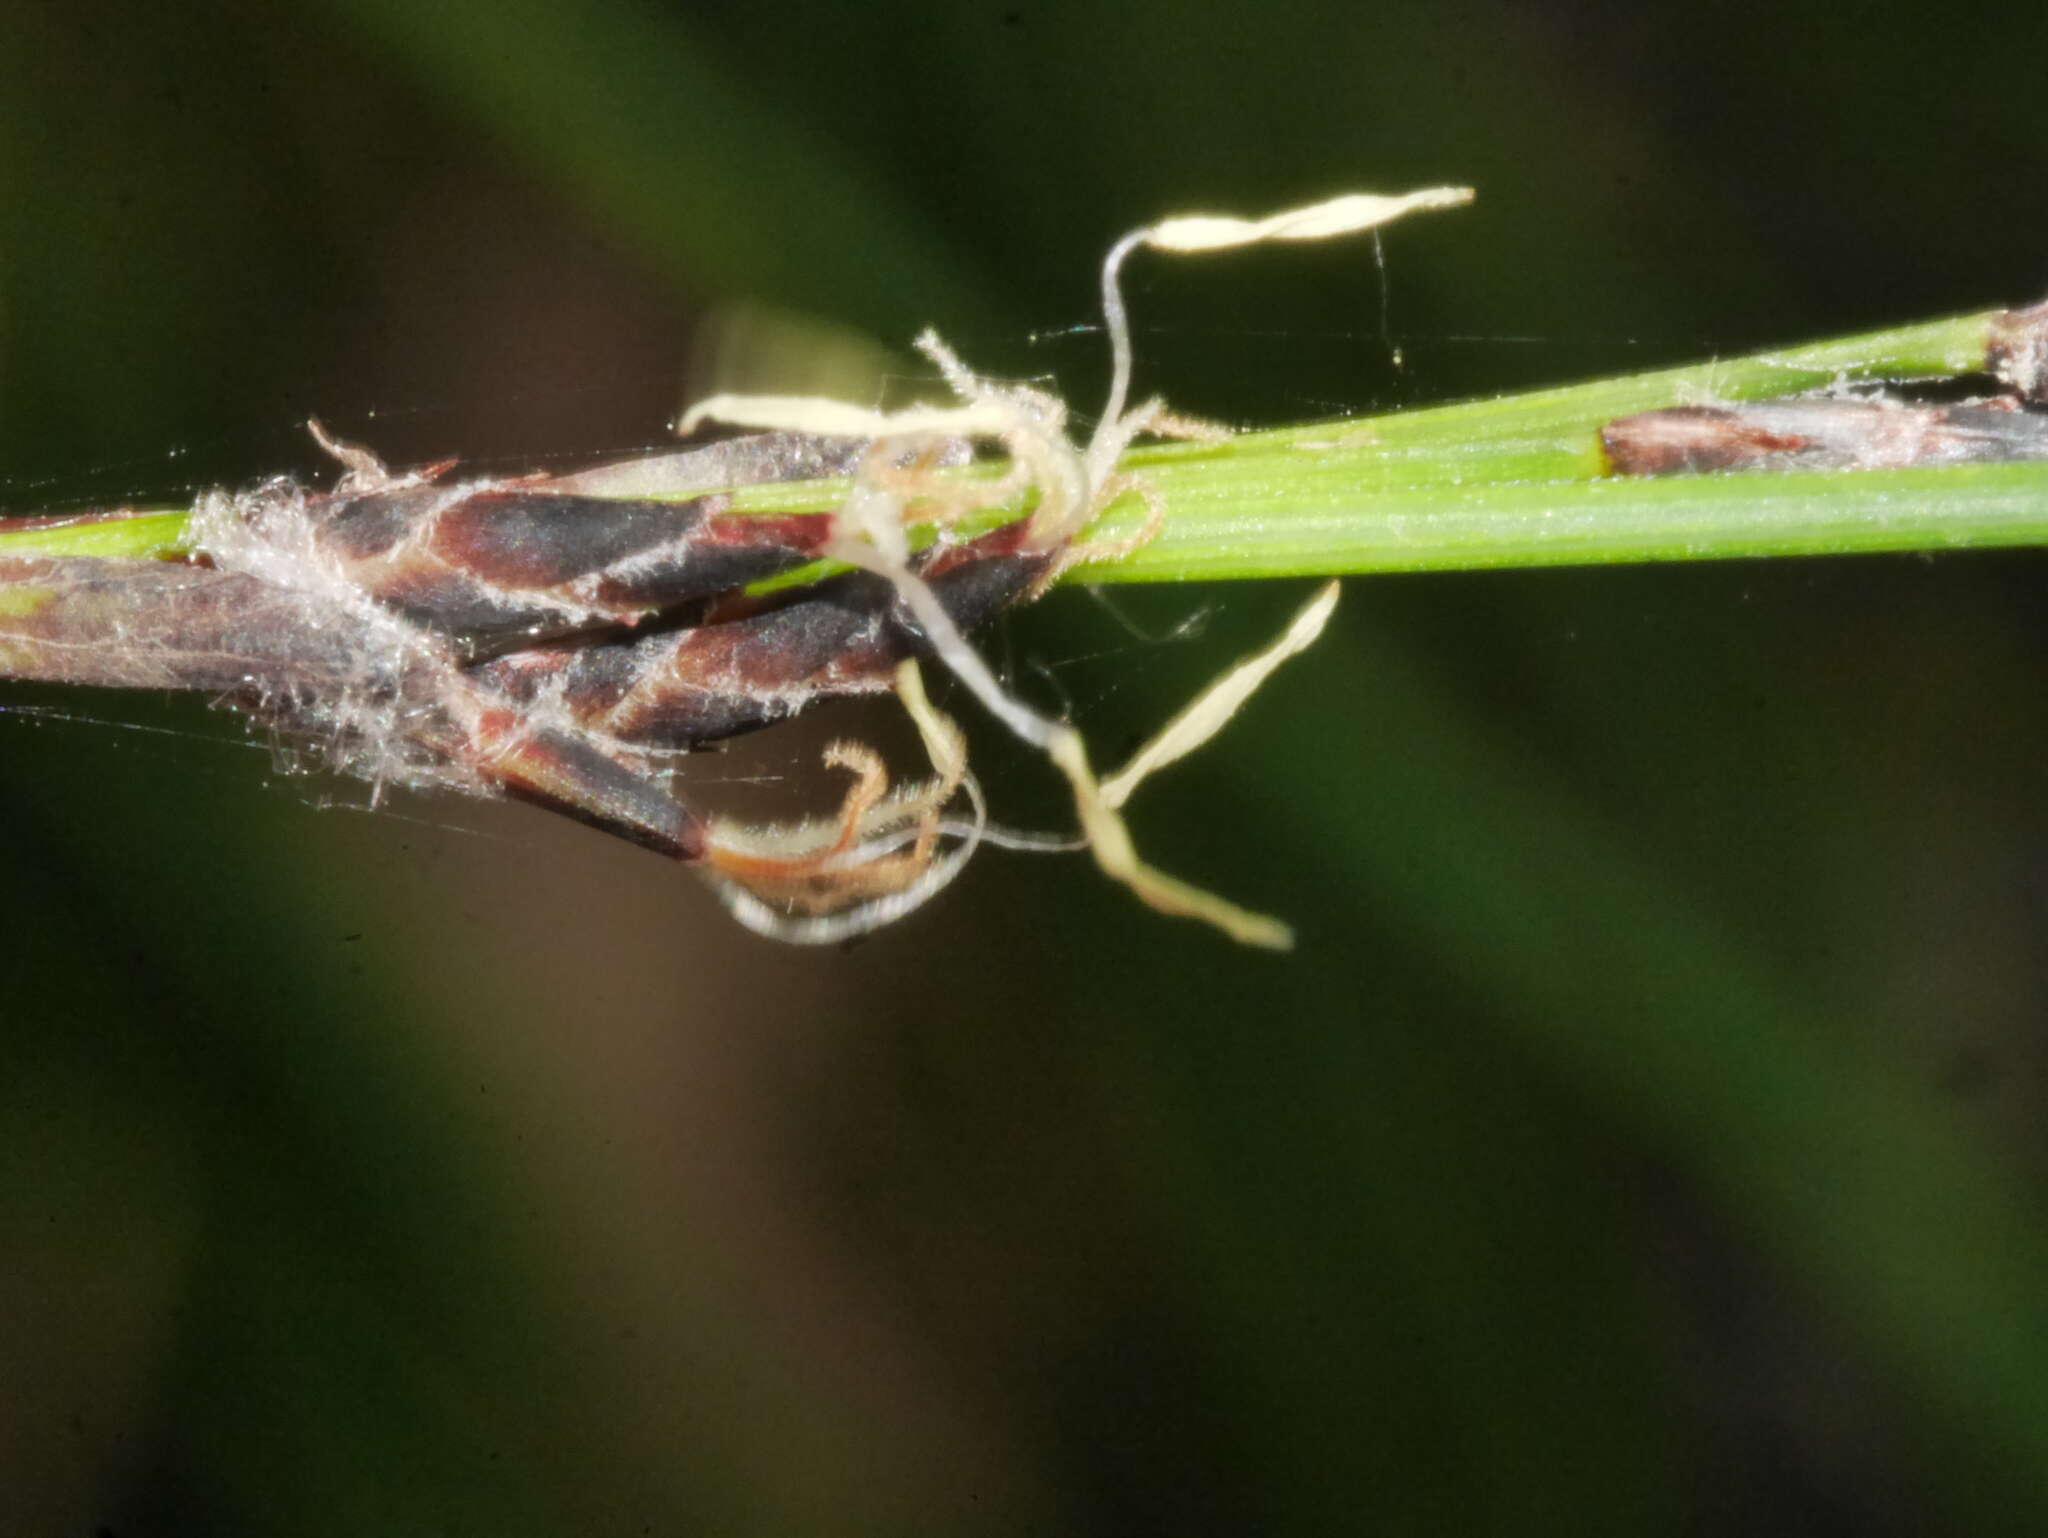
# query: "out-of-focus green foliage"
[[1646, 1135]]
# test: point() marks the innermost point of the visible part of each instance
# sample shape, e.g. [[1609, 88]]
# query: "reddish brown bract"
[[1823, 434]]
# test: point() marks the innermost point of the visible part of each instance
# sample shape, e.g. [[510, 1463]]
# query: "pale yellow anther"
[[1211, 710], [1074, 483], [1351, 214]]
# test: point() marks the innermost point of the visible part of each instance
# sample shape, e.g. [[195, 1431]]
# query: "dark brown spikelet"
[[758, 661], [500, 566]]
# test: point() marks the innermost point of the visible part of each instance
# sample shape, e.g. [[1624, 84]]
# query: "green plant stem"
[[1517, 481], [1345, 529], [137, 533], [1521, 481]]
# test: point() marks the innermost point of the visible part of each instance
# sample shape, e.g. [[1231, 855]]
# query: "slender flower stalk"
[[1516, 481]]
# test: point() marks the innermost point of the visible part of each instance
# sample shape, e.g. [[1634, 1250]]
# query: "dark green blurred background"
[[1647, 1134]]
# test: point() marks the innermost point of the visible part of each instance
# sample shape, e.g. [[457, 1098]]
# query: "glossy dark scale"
[[705, 682], [498, 568]]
